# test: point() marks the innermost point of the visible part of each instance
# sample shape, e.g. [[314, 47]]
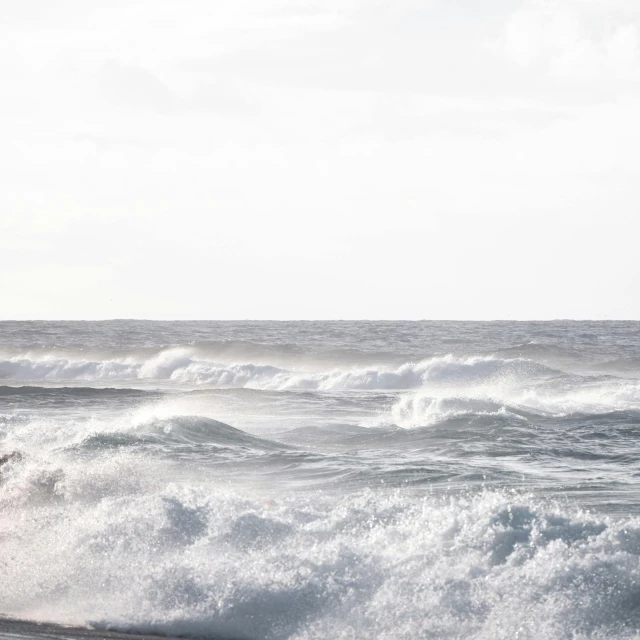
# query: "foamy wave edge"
[[178, 366], [384, 563]]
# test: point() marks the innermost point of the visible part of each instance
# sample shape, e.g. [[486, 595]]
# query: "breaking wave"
[[432, 390], [517, 399], [178, 366], [116, 550], [327, 480], [426, 392]]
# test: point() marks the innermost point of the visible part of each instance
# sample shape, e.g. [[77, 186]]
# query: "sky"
[[337, 159]]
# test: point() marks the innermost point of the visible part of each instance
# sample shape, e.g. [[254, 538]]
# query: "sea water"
[[298, 480]]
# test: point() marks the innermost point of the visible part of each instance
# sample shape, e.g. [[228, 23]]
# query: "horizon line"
[[139, 319]]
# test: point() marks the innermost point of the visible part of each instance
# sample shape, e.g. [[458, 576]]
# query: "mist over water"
[[322, 479]]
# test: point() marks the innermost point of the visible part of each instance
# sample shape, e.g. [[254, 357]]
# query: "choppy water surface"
[[322, 480]]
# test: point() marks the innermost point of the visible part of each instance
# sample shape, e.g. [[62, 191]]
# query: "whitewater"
[[313, 480]]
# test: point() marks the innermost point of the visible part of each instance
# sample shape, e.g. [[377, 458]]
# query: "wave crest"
[[180, 367]]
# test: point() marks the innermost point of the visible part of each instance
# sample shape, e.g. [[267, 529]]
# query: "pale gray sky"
[[329, 159]]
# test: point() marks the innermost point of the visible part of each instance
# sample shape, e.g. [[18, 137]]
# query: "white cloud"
[[301, 159], [582, 41], [622, 48], [524, 37]]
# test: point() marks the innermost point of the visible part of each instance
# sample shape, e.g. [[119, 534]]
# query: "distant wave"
[[178, 366], [62, 369], [78, 392], [434, 390], [224, 352]]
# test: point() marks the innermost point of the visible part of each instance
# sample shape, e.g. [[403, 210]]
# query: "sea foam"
[[119, 550]]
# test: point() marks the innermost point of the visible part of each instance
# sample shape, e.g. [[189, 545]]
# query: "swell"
[[181, 367], [485, 447], [191, 433], [224, 351]]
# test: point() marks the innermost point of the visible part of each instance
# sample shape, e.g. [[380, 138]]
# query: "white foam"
[[150, 556], [53, 369], [430, 405], [421, 410], [439, 388], [181, 366]]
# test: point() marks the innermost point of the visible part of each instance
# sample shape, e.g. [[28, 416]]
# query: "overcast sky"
[[332, 159]]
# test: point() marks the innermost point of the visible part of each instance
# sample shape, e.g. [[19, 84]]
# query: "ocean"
[[320, 480]]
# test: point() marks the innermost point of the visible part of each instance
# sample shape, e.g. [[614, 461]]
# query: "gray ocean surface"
[[299, 480]]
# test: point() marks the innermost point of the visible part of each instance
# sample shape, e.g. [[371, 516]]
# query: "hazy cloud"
[[407, 151]]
